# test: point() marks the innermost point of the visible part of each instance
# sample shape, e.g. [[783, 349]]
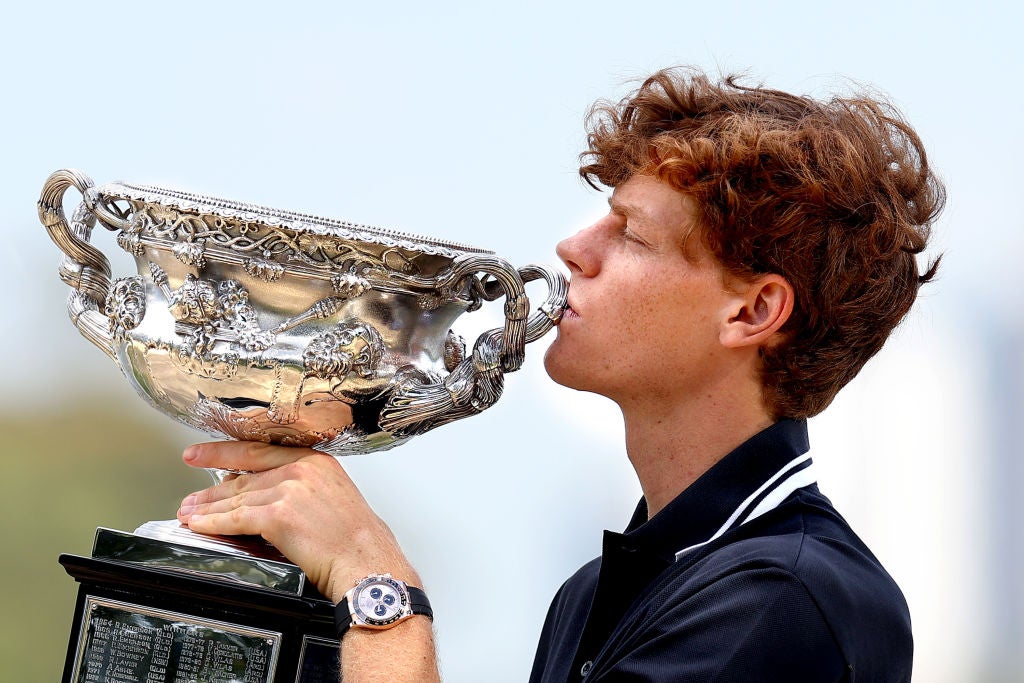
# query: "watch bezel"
[[361, 618]]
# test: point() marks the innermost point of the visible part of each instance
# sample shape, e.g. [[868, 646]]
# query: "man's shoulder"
[[804, 561], [805, 538], [794, 592], [577, 591]]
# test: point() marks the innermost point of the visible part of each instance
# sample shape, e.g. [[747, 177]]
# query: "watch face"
[[380, 601]]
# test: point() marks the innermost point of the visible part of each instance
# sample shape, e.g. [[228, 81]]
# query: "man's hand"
[[304, 503]]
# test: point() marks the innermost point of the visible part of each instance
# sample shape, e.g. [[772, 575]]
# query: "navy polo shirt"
[[749, 574]]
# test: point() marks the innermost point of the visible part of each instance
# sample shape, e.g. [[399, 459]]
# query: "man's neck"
[[671, 444]]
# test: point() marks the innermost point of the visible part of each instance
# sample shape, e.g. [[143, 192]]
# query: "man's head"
[[835, 196]]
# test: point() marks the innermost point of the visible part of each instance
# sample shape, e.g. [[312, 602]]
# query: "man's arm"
[[304, 503], [404, 653]]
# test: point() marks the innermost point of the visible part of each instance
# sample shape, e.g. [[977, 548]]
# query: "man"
[[758, 249]]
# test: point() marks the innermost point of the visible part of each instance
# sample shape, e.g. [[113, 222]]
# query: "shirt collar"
[[747, 482]]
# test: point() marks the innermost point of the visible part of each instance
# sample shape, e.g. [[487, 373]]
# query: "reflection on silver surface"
[[258, 324], [199, 555]]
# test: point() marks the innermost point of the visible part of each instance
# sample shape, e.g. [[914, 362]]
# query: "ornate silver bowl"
[[258, 324]]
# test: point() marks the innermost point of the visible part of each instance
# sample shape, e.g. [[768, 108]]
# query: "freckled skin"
[[643, 325], [657, 325]]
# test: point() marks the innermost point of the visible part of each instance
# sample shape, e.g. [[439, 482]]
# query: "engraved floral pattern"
[[191, 253], [349, 285], [270, 247], [268, 271], [131, 242]]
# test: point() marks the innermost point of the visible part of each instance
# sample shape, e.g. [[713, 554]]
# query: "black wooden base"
[[151, 624]]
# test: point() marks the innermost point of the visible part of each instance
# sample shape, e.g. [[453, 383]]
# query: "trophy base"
[[173, 531], [151, 610]]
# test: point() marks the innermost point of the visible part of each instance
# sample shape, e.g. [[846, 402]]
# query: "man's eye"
[[632, 236]]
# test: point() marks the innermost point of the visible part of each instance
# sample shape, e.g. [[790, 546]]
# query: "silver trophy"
[[264, 325]]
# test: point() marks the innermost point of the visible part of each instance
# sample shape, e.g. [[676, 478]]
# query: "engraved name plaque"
[[125, 643], [155, 612]]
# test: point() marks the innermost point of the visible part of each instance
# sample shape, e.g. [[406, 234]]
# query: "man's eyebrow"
[[628, 210]]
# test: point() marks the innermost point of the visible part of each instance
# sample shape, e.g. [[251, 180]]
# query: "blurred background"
[[463, 121]]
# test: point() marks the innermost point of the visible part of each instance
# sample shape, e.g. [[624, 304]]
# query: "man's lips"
[[569, 312]]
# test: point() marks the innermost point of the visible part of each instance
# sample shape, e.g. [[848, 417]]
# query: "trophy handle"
[[549, 312], [84, 267], [509, 342], [417, 406]]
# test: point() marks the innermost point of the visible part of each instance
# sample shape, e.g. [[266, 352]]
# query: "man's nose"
[[577, 252]]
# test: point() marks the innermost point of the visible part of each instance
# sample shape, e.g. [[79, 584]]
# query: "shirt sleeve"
[[754, 625]]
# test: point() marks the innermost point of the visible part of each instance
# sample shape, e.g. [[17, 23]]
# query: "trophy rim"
[[300, 223]]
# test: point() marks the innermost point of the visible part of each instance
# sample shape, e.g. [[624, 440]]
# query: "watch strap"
[[418, 602], [342, 617]]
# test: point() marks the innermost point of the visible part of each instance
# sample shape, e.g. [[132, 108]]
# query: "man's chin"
[[563, 370]]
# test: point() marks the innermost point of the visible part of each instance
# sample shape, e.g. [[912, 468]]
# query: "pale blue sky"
[[463, 121]]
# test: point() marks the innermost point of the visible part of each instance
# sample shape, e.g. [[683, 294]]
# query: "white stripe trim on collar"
[[784, 488]]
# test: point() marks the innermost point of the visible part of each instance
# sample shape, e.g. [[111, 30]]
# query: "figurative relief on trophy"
[[269, 325], [347, 348], [125, 306]]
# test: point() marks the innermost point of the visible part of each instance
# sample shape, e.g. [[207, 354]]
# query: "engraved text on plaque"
[[125, 643]]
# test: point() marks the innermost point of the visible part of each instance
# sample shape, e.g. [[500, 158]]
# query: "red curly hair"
[[836, 196]]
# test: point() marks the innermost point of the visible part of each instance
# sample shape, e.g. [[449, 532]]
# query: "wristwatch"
[[379, 602]]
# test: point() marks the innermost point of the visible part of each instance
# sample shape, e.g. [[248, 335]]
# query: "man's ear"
[[760, 308]]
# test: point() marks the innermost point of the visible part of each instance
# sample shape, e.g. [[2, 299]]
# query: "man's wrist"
[[404, 653], [342, 581]]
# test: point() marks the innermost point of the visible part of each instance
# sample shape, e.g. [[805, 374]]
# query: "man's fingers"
[[202, 504], [240, 521], [248, 456], [242, 513], [307, 475], [231, 486]]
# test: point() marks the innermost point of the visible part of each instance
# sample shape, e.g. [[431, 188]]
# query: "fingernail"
[[190, 454], [187, 505]]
